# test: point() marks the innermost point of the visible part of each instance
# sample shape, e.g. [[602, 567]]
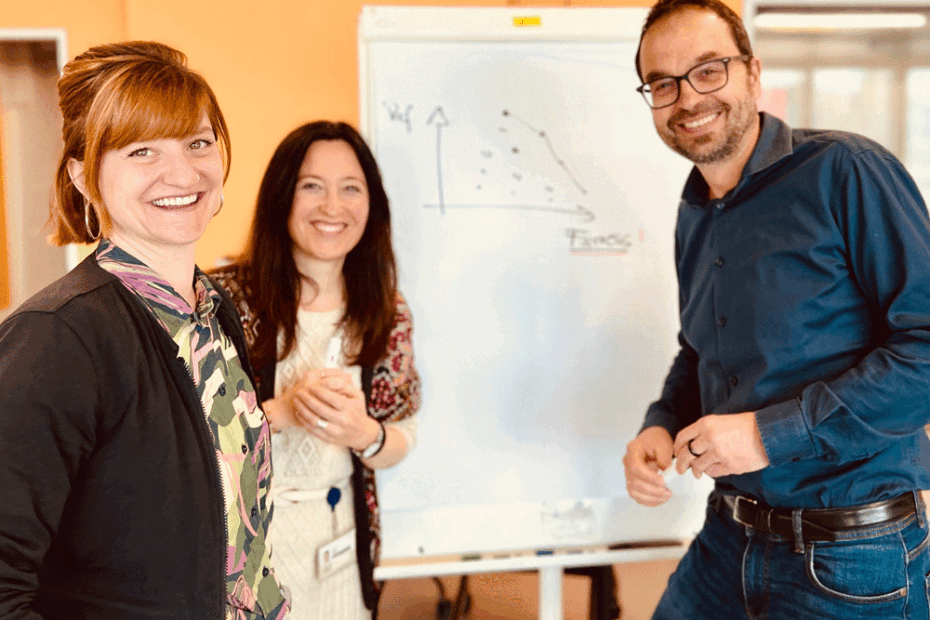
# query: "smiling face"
[[717, 128], [330, 207], [161, 193]]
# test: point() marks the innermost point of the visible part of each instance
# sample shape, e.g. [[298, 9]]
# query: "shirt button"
[[723, 321], [222, 390], [721, 206], [734, 381], [719, 262], [245, 449], [265, 571], [254, 511]]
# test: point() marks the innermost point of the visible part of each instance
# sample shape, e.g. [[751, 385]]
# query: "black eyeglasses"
[[704, 78]]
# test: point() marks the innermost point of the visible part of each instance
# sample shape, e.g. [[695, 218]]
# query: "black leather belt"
[[818, 524]]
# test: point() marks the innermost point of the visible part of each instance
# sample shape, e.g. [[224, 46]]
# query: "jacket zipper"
[[219, 469]]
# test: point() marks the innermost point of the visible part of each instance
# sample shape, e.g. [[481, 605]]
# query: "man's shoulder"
[[836, 142]]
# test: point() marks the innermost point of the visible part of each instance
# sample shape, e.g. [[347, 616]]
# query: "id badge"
[[335, 555]]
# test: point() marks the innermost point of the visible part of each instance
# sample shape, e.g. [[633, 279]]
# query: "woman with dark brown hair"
[[134, 459], [330, 336]]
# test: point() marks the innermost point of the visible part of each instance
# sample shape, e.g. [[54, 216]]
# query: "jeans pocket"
[[863, 571]]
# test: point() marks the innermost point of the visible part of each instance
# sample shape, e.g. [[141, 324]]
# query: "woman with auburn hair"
[[328, 333], [134, 458]]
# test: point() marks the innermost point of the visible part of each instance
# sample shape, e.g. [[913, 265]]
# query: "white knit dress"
[[305, 469]]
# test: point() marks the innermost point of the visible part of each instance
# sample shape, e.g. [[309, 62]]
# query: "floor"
[[514, 596]]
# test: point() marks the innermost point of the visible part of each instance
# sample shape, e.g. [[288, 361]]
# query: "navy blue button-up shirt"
[[805, 297]]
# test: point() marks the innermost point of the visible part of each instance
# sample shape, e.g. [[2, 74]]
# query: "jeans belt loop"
[[798, 530], [921, 509]]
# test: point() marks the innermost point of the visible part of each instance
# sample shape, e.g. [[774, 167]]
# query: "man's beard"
[[737, 125]]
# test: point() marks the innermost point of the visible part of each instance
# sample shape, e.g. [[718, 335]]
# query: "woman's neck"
[[174, 264], [322, 286]]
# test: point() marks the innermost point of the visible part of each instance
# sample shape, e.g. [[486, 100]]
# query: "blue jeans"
[[731, 572]]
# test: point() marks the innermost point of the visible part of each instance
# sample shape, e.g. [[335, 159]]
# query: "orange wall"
[[4, 261], [273, 65], [88, 22]]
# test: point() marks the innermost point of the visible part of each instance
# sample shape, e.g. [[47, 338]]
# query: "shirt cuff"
[[407, 428], [659, 416], [784, 433]]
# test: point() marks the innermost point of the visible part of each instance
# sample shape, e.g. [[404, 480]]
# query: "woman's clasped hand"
[[327, 404]]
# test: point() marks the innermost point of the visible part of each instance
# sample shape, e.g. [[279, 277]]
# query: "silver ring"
[[320, 422], [691, 450]]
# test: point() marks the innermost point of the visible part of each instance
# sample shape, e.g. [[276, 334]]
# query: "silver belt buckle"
[[736, 510]]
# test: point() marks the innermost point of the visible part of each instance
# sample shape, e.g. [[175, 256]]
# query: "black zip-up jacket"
[[111, 505]]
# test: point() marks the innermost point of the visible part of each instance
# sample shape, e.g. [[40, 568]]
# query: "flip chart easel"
[[533, 211]]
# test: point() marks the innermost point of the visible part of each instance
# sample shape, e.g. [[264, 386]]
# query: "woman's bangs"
[[154, 109]]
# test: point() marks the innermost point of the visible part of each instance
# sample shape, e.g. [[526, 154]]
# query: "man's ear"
[[76, 172], [755, 77]]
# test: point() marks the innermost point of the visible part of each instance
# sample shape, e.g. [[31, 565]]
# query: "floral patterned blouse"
[[236, 422]]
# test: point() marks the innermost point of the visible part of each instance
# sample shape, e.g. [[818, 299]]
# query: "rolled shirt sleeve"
[[885, 225]]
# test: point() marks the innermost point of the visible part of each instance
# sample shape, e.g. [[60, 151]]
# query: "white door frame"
[[60, 37]]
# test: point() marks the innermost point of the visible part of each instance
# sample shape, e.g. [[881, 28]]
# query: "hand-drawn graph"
[[439, 119], [551, 149], [568, 180]]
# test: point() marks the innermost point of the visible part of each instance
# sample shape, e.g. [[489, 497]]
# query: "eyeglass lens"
[[704, 78]]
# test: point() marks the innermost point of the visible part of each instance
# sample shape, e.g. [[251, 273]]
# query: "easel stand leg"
[[462, 602], [550, 593]]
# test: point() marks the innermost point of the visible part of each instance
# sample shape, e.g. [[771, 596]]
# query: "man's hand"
[[726, 444], [649, 454]]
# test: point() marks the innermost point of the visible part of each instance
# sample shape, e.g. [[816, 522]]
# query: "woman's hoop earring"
[[221, 205], [87, 209]]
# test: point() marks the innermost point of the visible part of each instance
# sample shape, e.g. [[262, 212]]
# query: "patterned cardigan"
[[392, 390]]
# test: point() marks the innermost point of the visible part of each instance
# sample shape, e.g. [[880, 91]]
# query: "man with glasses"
[[802, 385]]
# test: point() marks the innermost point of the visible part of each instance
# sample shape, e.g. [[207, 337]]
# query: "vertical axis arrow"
[[439, 119]]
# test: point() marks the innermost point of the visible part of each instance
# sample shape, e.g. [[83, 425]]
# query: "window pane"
[[856, 100], [917, 139], [783, 95]]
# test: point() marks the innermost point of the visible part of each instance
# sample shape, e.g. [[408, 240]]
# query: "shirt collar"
[[154, 290], [774, 143]]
